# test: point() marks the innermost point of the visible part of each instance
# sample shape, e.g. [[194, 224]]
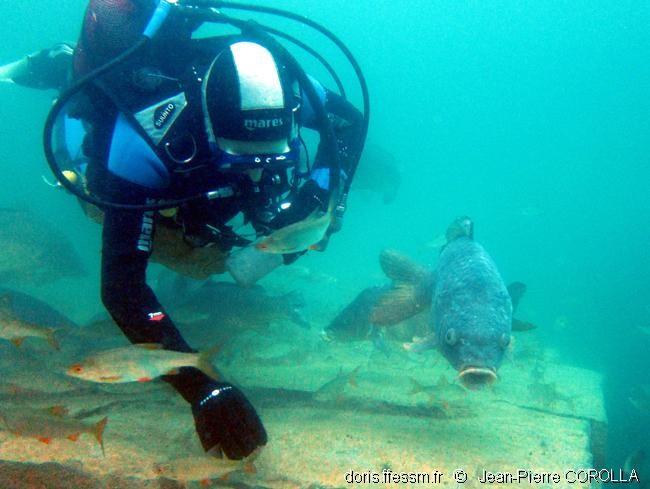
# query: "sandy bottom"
[[338, 415]]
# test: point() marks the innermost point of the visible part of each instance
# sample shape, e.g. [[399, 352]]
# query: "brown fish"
[[412, 290]]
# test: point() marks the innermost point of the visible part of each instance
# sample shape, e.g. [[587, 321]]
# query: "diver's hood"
[[248, 97]]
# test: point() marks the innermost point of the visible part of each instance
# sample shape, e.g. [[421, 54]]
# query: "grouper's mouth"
[[477, 377]]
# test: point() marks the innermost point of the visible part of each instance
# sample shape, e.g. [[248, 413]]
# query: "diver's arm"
[[125, 293], [47, 69], [347, 123], [223, 416]]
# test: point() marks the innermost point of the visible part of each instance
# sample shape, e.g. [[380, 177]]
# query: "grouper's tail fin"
[[410, 293]]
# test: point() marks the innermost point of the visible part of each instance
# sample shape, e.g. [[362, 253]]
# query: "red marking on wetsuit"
[[156, 316]]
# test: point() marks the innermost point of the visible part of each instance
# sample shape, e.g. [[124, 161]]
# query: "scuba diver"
[[181, 136]]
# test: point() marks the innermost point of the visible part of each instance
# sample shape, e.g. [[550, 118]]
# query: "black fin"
[[516, 291], [518, 325]]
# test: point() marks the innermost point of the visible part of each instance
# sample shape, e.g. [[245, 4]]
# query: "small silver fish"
[[204, 468], [334, 389], [137, 363], [48, 425]]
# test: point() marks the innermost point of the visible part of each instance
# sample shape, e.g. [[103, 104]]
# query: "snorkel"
[[158, 17], [207, 11]]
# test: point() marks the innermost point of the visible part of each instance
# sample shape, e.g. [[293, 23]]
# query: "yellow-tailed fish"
[[14, 329], [138, 363], [48, 425]]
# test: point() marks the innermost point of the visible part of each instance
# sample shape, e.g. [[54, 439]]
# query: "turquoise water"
[[531, 117]]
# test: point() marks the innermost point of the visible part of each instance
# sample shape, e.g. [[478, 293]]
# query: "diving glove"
[[309, 197], [226, 422]]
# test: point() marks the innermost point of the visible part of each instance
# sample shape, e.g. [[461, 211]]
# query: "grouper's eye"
[[504, 341], [451, 337]]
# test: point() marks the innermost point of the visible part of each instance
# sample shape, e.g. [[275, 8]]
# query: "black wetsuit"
[[126, 247], [127, 238]]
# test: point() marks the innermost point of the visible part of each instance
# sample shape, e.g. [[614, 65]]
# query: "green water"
[[530, 116]]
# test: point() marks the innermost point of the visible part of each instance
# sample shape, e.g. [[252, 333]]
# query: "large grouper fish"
[[471, 308]]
